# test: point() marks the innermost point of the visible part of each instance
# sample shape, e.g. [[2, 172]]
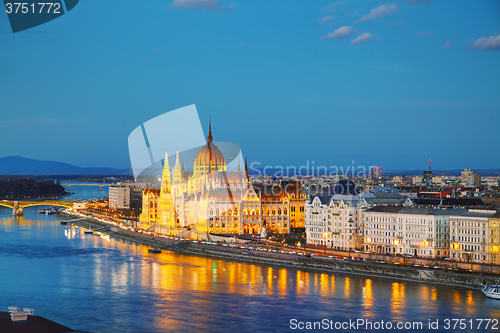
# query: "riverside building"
[[421, 232], [211, 199], [470, 236], [336, 219], [126, 195], [494, 226]]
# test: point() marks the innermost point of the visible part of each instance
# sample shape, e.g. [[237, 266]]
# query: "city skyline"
[[249, 165], [390, 83]]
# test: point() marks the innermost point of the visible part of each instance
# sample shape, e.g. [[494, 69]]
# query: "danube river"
[[100, 284]]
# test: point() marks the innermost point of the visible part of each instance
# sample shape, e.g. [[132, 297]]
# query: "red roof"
[[442, 195]]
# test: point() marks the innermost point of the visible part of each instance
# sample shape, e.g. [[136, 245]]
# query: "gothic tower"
[[166, 205]]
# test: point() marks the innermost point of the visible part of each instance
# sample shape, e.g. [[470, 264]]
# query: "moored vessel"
[[492, 291]]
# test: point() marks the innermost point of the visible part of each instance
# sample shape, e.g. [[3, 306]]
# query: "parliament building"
[[211, 199]]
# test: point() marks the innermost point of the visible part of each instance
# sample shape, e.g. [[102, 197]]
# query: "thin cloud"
[[425, 3], [342, 32], [201, 5], [447, 45], [401, 22], [334, 6], [378, 13], [353, 13], [362, 38], [159, 50], [241, 44], [325, 19], [487, 43], [424, 33]]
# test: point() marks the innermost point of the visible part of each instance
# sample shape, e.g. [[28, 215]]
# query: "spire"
[[209, 136], [210, 152], [239, 169], [246, 170], [177, 159], [165, 179], [183, 172], [177, 173]]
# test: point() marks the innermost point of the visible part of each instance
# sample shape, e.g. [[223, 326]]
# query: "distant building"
[[428, 173], [437, 180], [376, 171], [444, 201], [79, 205], [119, 197], [126, 195], [397, 179], [417, 180], [469, 178]]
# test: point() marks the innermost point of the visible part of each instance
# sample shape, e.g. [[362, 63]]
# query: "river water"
[[102, 284]]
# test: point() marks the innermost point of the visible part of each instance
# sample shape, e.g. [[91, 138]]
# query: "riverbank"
[[55, 196], [265, 254], [27, 188]]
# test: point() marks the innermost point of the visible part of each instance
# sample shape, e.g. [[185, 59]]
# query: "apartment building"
[[470, 236]]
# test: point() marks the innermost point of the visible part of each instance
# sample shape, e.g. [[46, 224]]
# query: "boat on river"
[[89, 231], [492, 291], [154, 250], [50, 210]]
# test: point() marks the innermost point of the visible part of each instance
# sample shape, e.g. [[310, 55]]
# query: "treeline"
[[28, 187]]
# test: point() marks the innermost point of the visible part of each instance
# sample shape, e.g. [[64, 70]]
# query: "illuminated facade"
[[337, 220], [283, 207], [470, 236], [494, 246], [467, 235]]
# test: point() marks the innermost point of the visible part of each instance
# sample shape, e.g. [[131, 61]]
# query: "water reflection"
[[434, 295], [113, 281], [368, 298], [398, 300], [347, 287]]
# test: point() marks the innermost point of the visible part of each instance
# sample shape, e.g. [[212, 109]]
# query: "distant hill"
[[17, 165]]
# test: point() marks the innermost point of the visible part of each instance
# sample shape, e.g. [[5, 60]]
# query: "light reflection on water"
[[102, 284]]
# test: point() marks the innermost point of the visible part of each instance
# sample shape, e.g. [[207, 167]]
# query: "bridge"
[[101, 185], [17, 206]]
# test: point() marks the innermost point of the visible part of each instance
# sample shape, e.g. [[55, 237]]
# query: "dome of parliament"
[[209, 154]]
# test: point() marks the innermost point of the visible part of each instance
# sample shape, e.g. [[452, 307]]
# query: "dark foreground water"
[[102, 284]]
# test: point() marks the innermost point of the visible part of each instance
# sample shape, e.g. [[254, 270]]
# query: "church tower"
[[177, 179], [166, 205]]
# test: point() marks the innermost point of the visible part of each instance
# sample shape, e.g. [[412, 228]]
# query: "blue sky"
[[374, 82]]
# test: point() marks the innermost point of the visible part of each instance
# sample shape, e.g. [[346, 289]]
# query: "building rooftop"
[[461, 202], [386, 189], [385, 209], [418, 210]]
